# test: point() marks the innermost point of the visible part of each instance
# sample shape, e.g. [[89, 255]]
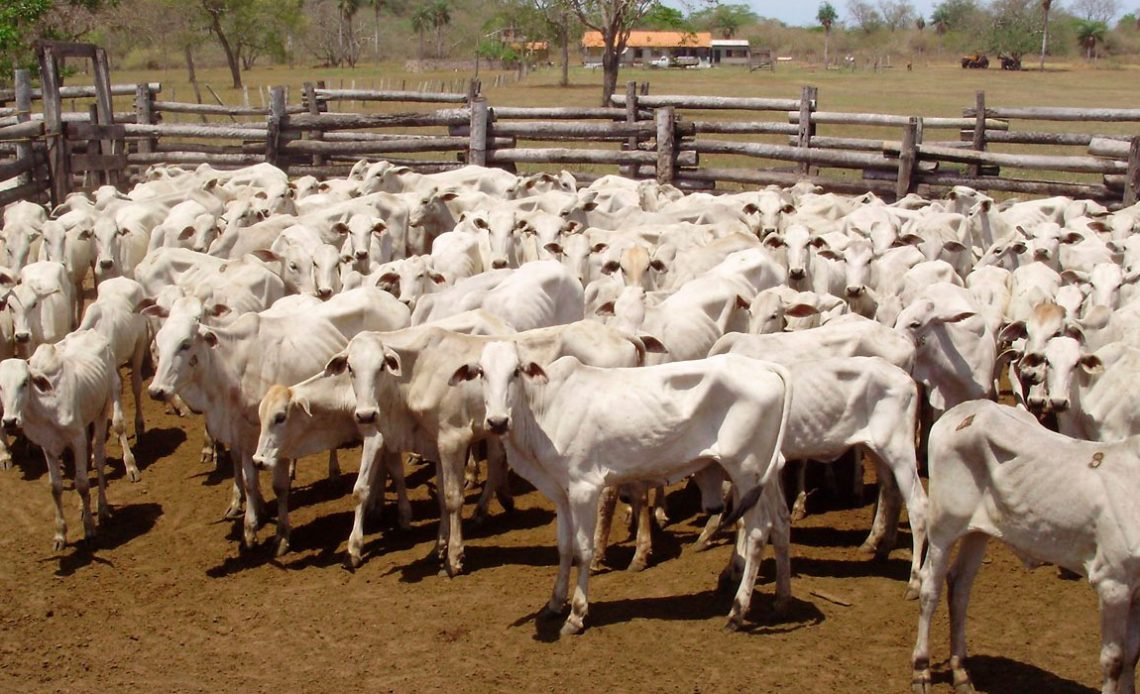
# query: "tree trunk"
[[564, 39], [376, 37], [826, 46], [231, 57], [611, 63], [1044, 38]]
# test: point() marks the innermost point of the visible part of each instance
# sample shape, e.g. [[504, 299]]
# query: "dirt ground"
[[165, 603]]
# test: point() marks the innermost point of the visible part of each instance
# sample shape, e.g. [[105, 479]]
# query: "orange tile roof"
[[655, 39]]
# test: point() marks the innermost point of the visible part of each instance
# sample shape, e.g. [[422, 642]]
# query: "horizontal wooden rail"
[[374, 95], [582, 156], [80, 92], [1074, 114], [355, 121], [1037, 162], [711, 102], [559, 113], [851, 160]]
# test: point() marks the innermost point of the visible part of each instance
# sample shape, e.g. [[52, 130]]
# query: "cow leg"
[[254, 503], [498, 474], [659, 512], [394, 466], [971, 551], [81, 453], [933, 572], [799, 508], [583, 518], [1115, 606], [334, 466], [471, 478], [362, 493], [752, 540], [5, 453], [644, 537], [857, 474], [452, 457], [120, 431], [606, 507], [281, 485], [136, 387], [99, 455], [916, 506], [292, 469], [1132, 648], [884, 527], [238, 490], [710, 482], [777, 508], [55, 473]]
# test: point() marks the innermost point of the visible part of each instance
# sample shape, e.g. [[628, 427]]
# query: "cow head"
[[274, 412], [181, 343], [502, 370], [366, 360], [1064, 357], [15, 381]]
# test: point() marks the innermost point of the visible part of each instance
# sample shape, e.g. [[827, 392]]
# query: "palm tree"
[[440, 13], [940, 19], [920, 23], [826, 17], [1046, 5], [421, 22], [1089, 33]]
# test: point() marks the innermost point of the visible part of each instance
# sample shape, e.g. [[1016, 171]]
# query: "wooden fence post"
[[807, 127], [273, 124], [144, 114], [315, 110], [979, 130], [58, 165], [630, 117], [477, 149], [908, 157], [474, 87], [1132, 184], [666, 144], [24, 150]]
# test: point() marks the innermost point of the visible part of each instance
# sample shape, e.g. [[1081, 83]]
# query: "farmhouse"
[[644, 46], [731, 52]]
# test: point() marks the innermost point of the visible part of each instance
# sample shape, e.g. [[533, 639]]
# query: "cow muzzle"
[[22, 337], [366, 416], [498, 264], [855, 290], [158, 393], [498, 425], [324, 294], [10, 424], [362, 255], [106, 264], [1059, 404], [797, 273], [262, 462]]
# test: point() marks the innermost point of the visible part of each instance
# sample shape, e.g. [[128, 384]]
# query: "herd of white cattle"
[[618, 334]]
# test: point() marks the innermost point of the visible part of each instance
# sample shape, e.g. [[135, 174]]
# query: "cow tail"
[[749, 499]]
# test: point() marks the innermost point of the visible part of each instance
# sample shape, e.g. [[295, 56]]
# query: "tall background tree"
[[1090, 33], [826, 16], [1046, 5], [614, 20], [23, 22]]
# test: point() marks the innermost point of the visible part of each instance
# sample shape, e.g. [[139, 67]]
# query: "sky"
[[802, 12]]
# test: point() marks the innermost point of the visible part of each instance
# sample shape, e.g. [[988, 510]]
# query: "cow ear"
[[788, 208], [1099, 227], [467, 372], [340, 228], [302, 403], [266, 255], [801, 310], [1072, 276], [606, 309], [652, 344], [658, 265], [337, 364], [572, 227], [534, 372], [1073, 330], [742, 302], [610, 267], [1018, 247], [388, 278], [1013, 331], [209, 336], [828, 254], [379, 227], [154, 311], [599, 247], [437, 278], [7, 278], [85, 235], [774, 240], [187, 232], [959, 316], [123, 231], [1072, 237], [553, 247], [41, 383], [1092, 364], [954, 246], [218, 310], [392, 362]]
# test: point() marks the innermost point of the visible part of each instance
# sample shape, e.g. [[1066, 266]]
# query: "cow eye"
[[184, 346], [516, 373], [280, 418], [293, 266]]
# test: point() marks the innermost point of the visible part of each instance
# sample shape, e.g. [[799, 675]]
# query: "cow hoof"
[[912, 591], [479, 518], [637, 565], [404, 523], [58, 544], [597, 567], [355, 561], [868, 547], [233, 513], [133, 474], [282, 546], [571, 627], [549, 613], [661, 516], [508, 504], [964, 688], [6, 463], [734, 624], [920, 687], [104, 516]]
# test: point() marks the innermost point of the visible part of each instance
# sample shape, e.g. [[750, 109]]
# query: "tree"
[[1013, 27], [421, 21], [1046, 5], [896, 14], [826, 16], [865, 16], [664, 18], [1102, 11], [1089, 34], [953, 15], [726, 20], [23, 22], [440, 12], [613, 19]]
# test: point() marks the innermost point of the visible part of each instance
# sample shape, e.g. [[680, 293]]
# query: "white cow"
[[996, 472], [54, 397], [23, 222], [676, 418], [115, 316], [42, 305]]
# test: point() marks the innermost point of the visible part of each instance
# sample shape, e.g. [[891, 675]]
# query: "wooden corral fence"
[[668, 137]]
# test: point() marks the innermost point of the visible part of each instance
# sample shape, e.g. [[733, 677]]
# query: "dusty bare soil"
[[165, 602]]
